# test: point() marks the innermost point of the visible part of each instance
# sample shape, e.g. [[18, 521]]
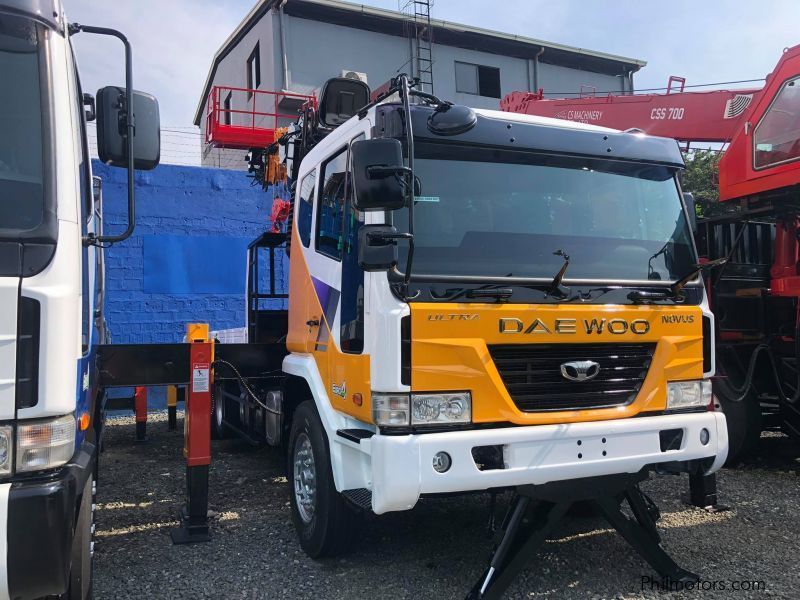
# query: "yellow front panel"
[[449, 350]]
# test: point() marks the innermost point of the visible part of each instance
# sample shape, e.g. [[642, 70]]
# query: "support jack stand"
[[703, 493], [194, 516], [197, 447], [536, 510]]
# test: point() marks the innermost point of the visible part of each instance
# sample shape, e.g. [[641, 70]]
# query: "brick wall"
[[176, 201]]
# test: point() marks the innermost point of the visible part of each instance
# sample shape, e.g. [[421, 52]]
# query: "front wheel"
[[80, 577], [743, 416], [323, 520]]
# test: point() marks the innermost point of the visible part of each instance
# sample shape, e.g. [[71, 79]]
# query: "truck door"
[[339, 285], [350, 366]]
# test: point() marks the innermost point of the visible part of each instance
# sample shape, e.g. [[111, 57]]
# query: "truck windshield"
[[21, 169], [498, 213]]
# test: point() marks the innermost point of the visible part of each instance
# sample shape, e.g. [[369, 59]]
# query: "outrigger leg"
[[537, 510]]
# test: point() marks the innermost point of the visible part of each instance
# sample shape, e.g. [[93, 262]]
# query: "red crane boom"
[[687, 116], [761, 126]]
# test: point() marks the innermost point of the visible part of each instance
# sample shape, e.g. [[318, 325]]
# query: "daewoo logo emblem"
[[580, 370]]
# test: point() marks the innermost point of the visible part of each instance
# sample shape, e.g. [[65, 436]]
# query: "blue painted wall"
[[172, 203]]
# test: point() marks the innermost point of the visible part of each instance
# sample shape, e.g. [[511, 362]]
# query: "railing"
[[243, 118]]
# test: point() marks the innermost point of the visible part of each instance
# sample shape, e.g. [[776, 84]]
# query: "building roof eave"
[[558, 53]]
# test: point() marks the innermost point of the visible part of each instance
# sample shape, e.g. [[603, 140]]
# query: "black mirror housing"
[[377, 247], [112, 129], [342, 98], [378, 175]]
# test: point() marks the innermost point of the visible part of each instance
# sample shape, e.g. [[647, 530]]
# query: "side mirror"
[[379, 176], [342, 98], [377, 247], [112, 129], [691, 207]]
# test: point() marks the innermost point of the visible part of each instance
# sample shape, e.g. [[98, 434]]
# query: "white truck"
[[51, 291], [477, 301]]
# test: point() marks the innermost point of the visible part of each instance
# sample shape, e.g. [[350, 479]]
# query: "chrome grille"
[[532, 374]]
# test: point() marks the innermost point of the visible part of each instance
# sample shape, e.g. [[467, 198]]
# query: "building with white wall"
[[296, 45]]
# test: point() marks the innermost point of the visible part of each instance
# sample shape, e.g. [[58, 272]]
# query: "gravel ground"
[[435, 551]]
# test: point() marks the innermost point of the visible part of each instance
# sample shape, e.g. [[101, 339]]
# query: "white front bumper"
[[402, 465]]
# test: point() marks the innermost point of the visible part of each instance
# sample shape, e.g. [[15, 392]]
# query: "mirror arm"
[[406, 86], [111, 239]]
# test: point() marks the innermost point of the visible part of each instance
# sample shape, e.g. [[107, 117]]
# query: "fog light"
[[442, 462], [704, 436]]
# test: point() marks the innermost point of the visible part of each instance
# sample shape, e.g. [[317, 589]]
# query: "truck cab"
[[481, 300], [51, 291]]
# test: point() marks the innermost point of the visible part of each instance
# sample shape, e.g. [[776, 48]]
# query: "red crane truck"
[[755, 225]]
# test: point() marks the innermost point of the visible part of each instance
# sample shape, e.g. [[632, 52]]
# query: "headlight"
[[441, 409], [390, 409], [403, 410], [45, 444], [688, 394], [6, 449]]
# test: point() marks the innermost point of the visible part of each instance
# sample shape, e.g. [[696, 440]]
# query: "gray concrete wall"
[[317, 51], [232, 71], [560, 81]]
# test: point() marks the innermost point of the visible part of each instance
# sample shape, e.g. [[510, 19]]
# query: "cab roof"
[[542, 135]]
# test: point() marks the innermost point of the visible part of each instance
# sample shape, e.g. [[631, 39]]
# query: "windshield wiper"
[[556, 289], [675, 290], [501, 294]]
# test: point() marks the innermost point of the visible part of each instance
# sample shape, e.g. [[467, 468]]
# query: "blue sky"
[[702, 40]]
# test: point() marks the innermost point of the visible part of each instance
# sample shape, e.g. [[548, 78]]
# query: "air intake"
[[27, 388], [737, 105]]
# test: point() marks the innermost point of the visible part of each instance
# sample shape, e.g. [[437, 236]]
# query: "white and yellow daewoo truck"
[[477, 300]]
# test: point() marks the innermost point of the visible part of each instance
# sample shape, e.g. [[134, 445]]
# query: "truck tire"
[[323, 520], [743, 418], [80, 576]]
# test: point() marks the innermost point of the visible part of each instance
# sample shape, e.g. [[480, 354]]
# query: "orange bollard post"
[[140, 410], [172, 408]]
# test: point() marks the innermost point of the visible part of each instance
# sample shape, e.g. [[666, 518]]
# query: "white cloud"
[[173, 44]]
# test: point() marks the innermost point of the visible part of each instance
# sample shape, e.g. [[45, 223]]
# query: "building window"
[[254, 70], [226, 108], [478, 80]]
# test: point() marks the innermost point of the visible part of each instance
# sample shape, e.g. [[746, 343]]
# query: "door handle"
[[313, 322]]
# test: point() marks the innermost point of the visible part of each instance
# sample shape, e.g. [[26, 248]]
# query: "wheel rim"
[[305, 478], [218, 411]]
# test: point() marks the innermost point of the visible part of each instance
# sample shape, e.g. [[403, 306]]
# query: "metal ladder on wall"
[[417, 27]]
